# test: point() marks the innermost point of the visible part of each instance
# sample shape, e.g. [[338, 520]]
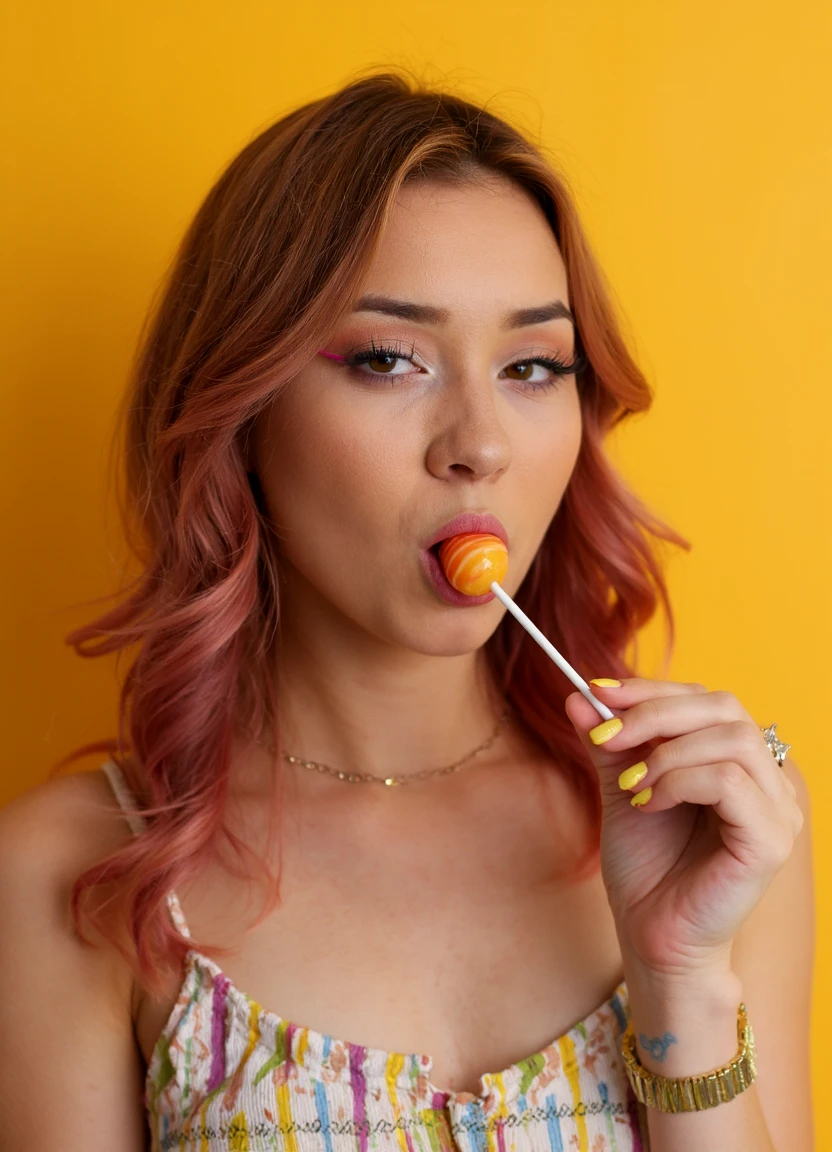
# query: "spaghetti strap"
[[126, 799], [137, 822]]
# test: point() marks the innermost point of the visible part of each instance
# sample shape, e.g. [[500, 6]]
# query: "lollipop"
[[472, 560], [474, 563]]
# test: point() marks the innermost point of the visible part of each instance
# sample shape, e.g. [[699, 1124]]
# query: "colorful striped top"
[[227, 1074]]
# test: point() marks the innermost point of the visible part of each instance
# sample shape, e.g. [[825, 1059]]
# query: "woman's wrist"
[[684, 1026]]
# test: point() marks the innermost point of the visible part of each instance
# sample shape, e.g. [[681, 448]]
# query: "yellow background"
[[697, 138]]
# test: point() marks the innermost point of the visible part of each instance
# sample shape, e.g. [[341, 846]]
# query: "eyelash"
[[555, 365]]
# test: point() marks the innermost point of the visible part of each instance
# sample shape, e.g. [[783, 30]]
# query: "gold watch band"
[[693, 1093]]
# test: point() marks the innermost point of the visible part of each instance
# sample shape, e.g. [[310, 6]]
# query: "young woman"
[[385, 882]]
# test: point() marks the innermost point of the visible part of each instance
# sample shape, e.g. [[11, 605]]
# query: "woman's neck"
[[412, 715]]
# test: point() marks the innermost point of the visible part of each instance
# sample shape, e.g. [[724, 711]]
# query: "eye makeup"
[[557, 367]]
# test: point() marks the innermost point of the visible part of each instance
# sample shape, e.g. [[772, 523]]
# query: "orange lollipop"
[[473, 560]]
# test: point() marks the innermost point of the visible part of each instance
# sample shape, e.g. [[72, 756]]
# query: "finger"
[[584, 717], [634, 689], [663, 716], [755, 831], [736, 741]]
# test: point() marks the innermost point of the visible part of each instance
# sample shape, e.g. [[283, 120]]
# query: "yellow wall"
[[697, 137]]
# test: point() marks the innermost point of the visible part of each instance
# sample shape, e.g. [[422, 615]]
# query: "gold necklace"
[[367, 778]]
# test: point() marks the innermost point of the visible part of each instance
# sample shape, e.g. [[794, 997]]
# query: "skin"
[[358, 469]]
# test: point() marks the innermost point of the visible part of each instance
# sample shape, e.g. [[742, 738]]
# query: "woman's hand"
[[684, 870]]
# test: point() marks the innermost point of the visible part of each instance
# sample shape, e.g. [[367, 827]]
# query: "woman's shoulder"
[[60, 826], [49, 835], [53, 983]]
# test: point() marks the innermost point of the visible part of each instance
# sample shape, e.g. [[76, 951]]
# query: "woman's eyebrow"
[[428, 314]]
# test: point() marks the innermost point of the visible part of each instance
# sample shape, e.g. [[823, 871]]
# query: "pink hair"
[[272, 258]]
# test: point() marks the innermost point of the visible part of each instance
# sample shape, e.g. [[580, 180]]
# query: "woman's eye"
[[380, 362], [385, 363], [524, 370]]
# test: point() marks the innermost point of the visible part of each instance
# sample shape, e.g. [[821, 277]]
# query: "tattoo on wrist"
[[657, 1046]]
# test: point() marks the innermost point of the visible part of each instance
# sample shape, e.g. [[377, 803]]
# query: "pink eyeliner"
[[331, 355]]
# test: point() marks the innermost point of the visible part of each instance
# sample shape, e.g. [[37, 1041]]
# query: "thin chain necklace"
[[367, 778]]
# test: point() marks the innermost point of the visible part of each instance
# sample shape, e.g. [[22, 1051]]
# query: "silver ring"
[[777, 748]]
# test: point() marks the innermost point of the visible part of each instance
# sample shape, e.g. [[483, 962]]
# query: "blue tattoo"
[[657, 1047]]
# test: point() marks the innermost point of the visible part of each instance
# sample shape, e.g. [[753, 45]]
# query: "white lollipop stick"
[[551, 651]]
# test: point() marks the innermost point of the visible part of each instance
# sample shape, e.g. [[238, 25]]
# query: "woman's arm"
[[698, 874], [772, 958], [70, 1070]]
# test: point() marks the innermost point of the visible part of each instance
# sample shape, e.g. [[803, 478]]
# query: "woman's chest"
[[462, 946], [474, 988]]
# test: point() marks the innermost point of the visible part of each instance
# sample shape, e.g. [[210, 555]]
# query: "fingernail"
[[606, 730], [641, 797], [631, 776], [606, 682]]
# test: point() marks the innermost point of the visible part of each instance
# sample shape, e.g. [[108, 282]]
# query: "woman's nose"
[[470, 437]]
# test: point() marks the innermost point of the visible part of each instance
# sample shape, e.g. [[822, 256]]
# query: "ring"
[[777, 748]]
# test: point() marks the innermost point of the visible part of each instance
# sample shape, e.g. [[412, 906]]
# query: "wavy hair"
[[274, 254]]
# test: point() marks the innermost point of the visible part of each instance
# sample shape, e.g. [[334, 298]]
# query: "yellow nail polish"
[[631, 776], [606, 682], [606, 730], [641, 797]]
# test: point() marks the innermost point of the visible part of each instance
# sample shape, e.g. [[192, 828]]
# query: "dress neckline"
[[330, 1058]]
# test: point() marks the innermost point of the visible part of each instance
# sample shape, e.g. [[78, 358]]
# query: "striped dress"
[[227, 1074]]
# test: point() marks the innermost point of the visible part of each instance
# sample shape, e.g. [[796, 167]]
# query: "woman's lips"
[[436, 575]]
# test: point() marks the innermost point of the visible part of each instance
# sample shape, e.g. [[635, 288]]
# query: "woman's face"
[[360, 463]]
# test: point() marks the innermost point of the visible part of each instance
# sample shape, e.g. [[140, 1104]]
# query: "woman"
[[383, 328]]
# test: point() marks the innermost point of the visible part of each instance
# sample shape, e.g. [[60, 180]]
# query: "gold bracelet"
[[693, 1093]]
